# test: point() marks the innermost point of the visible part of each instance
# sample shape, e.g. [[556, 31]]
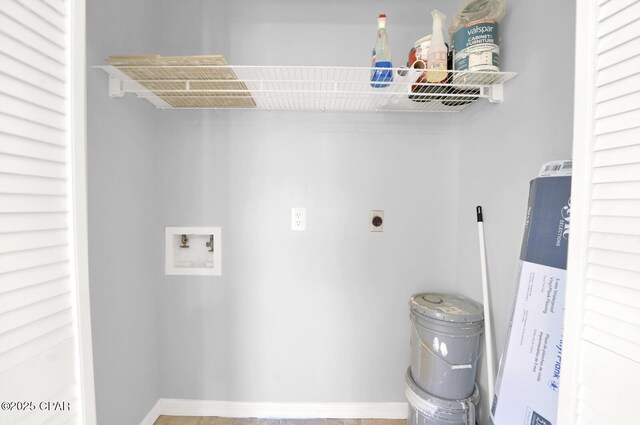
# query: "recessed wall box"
[[193, 251]]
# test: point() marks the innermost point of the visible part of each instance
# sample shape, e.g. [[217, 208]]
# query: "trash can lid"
[[446, 307]]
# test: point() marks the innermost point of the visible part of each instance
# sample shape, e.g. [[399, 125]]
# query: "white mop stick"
[[488, 330]]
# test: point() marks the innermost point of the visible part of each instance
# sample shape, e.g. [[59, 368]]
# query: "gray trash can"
[[445, 343], [427, 409]]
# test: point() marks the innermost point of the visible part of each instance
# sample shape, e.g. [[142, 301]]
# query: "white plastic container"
[[445, 343], [427, 409]]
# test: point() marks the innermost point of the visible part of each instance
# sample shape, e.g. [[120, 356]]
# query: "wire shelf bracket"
[[495, 93]]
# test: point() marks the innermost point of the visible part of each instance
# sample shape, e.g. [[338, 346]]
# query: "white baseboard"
[[239, 409], [152, 415]]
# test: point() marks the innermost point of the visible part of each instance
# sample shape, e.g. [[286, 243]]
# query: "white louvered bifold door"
[[601, 365], [39, 347]]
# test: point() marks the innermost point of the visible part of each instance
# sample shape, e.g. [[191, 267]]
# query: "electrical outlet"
[[298, 219], [376, 221]]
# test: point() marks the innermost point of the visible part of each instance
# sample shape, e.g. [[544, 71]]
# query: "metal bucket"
[[445, 343], [427, 409]]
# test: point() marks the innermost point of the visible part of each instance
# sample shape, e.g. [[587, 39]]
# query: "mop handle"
[[488, 331]]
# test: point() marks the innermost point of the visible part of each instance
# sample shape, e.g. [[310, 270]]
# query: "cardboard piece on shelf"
[[187, 81]]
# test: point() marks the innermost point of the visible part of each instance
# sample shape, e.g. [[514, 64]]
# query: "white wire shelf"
[[301, 88]]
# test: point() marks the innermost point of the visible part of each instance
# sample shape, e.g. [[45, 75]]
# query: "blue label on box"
[[548, 222]]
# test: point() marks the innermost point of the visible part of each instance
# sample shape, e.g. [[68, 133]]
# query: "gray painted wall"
[[320, 315], [124, 248]]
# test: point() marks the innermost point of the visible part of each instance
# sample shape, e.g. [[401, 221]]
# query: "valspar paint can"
[[477, 47], [445, 343]]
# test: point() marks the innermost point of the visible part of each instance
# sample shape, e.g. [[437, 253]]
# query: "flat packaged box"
[[529, 373]]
